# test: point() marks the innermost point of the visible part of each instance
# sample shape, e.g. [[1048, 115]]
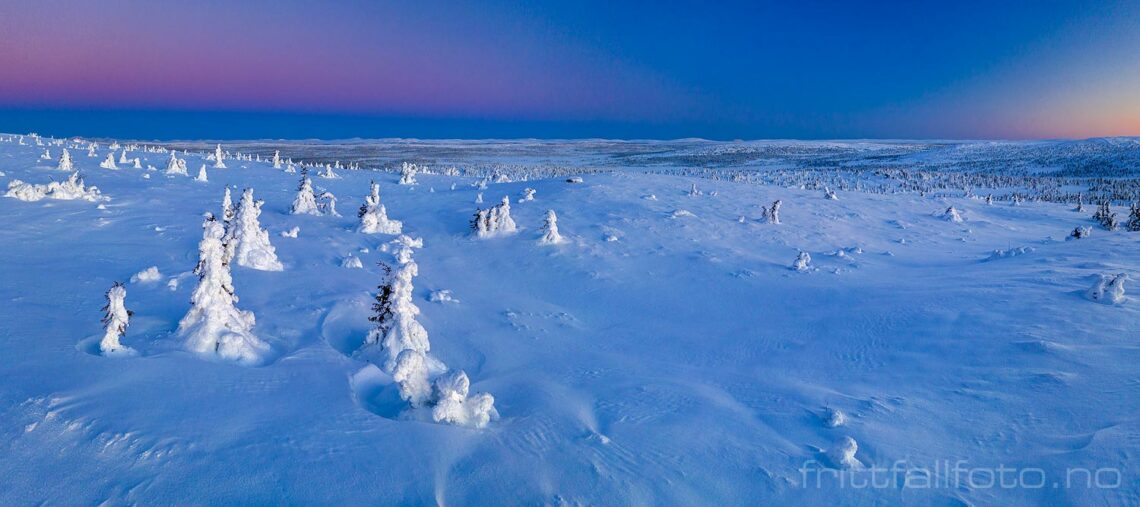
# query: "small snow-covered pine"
[[408, 173], [214, 326], [176, 166], [109, 162], [305, 203], [952, 215], [202, 177], [219, 158], [803, 262], [250, 243], [1108, 290], [65, 163], [494, 221], [374, 216], [772, 214], [550, 235], [116, 318]]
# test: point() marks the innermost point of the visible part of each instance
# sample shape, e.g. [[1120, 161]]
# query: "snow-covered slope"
[[664, 353]]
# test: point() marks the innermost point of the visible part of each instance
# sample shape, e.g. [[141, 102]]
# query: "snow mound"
[[69, 190], [842, 454], [1108, 289], [147, 275], [454, 406], [1010, 252], [442, 296]]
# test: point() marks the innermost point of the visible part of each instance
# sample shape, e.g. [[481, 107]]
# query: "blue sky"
[[261, 69]]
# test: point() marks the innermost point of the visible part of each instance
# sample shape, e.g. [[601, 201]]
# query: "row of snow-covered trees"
[[215, 327]]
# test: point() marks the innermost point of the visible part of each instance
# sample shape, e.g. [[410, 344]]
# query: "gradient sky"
[[585, 68]]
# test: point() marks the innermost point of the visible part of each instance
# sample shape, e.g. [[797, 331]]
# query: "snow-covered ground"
[[663, 353]]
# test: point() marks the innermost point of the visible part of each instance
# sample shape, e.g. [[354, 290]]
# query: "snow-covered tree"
[[550, 235], [494, 221], [65, 163], [109, 162], [408, 174], [374, 217], [1081, 232], [829, 194], [202, 177], [952, 215], [248, 241], [219, 158], [276, 159], [46, 155], [328, 173], [116, 318], [772, 214], [1134, 219], [528, 195], [176, 166], [228, 211], [694, 191], [326, 204], [305, 203], [214, 326], [1108, 289], [803, 262], [1080, 203], [123, 157]]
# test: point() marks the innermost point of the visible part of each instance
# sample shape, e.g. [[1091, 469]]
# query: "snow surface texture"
[[682, 364]]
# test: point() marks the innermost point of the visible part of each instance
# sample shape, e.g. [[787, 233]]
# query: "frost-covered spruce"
[[328, 173], [408, 173], [305, 203], [528, 195], [1081, 232], [1080, 203], [123, 157], [202, 177], [219, 158], [404, 331], [326, 204], [46, 155], [214, 327], [952, 215], [803, 262], [228, 211], [116, 318], [1134, 219], [772, 214], [109, 162], [65, 163], [550, 235], [494, 221], [374, 217], [693, 191], [276, 159], [1108, 290], [454, 406], [248, 241], [176, 166], [829, 194]]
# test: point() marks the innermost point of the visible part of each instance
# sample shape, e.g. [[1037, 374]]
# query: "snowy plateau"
[[591, 322]]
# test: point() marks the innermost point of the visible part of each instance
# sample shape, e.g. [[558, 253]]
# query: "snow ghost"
[[494, 221], [214, 327], [550, 235], [116, 318]]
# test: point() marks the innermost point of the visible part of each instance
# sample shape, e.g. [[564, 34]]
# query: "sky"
[[167, 69]]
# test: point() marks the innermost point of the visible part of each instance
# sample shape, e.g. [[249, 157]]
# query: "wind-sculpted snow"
[[667, 352]]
